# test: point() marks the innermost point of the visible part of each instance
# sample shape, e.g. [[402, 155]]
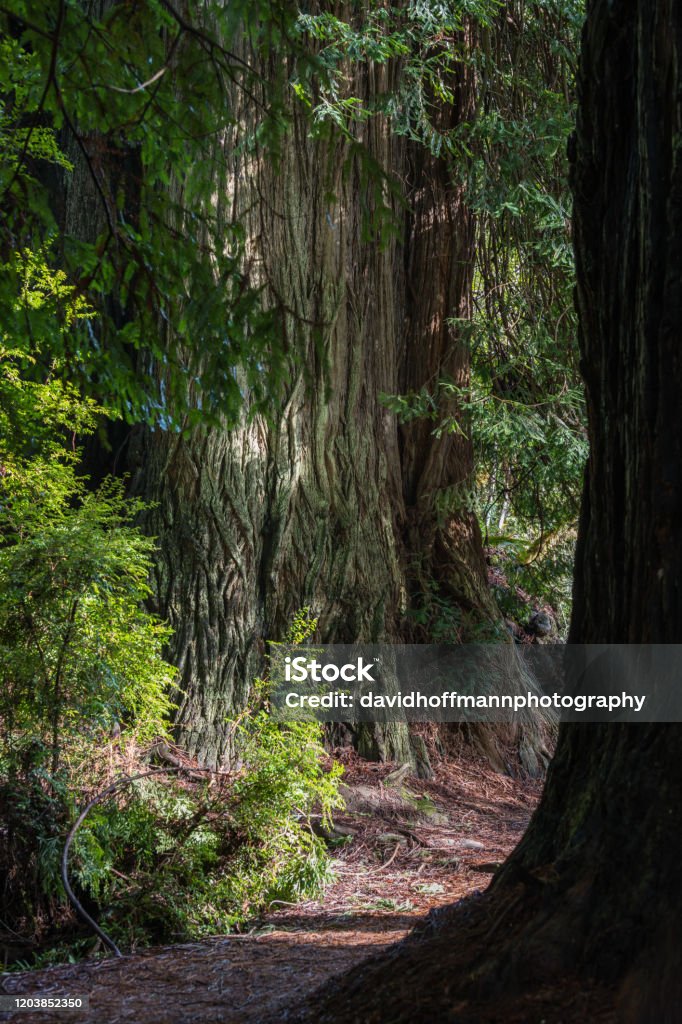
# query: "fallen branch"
[[125, 780]]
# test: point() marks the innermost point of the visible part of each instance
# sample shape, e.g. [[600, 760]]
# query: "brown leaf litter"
[[402, 847]]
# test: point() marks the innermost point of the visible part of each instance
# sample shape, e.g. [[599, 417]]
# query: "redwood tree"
[[594, 888], [363, 243], [358, 241], [363, 240]]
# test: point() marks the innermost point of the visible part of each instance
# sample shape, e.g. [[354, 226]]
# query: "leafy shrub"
[[78, 653], [77, 649], [169, 859], [181, 860]]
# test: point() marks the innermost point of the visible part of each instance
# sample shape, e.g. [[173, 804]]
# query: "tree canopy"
[[120, 109]]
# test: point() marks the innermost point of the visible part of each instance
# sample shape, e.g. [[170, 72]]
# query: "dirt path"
[[403, 847]]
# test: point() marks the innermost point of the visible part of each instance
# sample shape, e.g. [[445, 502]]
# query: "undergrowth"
[[85, 698], [171, 859]]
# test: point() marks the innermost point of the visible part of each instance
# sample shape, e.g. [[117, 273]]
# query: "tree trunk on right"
[[610, 821], [595, 887]]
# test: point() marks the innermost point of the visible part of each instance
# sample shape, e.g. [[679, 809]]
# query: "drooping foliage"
[[121, 109], [526, 400], [524, 403]]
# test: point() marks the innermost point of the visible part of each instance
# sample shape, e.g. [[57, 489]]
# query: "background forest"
[[288, 351]]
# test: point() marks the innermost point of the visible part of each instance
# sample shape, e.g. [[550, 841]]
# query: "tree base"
[[444, 972]]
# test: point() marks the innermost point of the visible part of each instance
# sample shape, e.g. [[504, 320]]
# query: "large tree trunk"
[[610, 819], [333, 505], [595, 888]]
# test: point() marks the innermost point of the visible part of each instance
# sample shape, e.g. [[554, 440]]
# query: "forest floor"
[[402, 847]]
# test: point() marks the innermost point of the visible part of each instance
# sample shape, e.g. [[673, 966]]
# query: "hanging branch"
[[102, 795]]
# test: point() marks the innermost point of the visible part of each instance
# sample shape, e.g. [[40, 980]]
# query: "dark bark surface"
[[609, 824], [594, 888]]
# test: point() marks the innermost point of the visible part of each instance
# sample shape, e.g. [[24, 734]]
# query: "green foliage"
[[120, 107], [282, 785], [76, 649], [168, 859], [250, 846], [524, 404], [545, 575], [442, 619], [235, 845], [424, 46]]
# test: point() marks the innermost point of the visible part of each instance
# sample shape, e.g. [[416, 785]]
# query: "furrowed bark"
[[332, 504]]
